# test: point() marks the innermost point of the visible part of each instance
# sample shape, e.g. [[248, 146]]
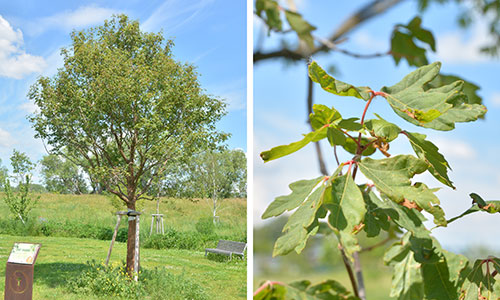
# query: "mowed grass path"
[[63, 258]]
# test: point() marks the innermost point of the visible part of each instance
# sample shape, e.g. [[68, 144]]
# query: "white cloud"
[[455, 148], [495, 99], [70, 19], [28, 107], [234, 93], [455, 47], [6, 139], [174, 14], [14, 61], [368, 41]]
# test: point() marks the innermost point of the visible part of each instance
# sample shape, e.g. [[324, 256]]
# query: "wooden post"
[[136, 263], [118, 219], [157, 220]]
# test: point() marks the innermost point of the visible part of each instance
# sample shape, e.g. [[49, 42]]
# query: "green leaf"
[[300, 191], [284, 150], [335, 136], [297, 230], [301, 27], [346, 204], [383, 129], [470, 89], [323, 115], [407, 281], [492, 206], [426, 150], [351, 146], [392, 176], [376, 217], [422, 34], [403, 43], [272, 17], [350, 124], [403, 46], [477, 284], [321, 118], [334, 86], [437, 108], [440, 276]]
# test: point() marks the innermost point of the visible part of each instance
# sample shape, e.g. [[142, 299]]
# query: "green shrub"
[[113, 281], [100, 280], [205, 226], [122, 235]]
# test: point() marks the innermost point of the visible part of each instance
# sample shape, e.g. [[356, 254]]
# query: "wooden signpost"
[[19, 271]]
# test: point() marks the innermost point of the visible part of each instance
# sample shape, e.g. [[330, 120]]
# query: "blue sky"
[[210, 34], [471, 149]]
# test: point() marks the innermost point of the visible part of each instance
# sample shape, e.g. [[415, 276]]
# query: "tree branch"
[[365, 13], [321, 161]]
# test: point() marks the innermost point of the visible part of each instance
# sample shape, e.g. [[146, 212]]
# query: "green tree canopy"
[[62, 176], [124, 104]]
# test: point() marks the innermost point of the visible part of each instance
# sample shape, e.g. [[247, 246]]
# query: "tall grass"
[[93, 216]]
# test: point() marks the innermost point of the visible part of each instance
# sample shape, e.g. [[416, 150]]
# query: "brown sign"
[[19, 271]]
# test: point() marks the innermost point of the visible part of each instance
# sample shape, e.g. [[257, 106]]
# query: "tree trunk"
[[131, 243]]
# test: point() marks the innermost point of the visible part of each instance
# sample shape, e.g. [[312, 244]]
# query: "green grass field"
[[63, 258]]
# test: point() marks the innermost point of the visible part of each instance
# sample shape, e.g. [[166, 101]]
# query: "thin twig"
[[359, 276], [348, 268], [310, 99], [381, 243]]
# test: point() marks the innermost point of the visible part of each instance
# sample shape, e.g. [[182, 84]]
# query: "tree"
[[21, 203], [4, 174], [127, 107], [21, 165], [218, 175], [196, 177], [62, 176]]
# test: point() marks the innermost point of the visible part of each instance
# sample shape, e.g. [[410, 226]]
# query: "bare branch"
[[365, 13]]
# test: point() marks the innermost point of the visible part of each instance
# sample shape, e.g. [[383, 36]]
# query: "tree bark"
[[131, 243]]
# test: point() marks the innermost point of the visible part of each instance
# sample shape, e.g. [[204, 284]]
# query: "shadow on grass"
[[57, 274]]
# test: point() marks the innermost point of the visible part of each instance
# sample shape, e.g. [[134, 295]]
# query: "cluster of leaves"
[[62, 175], [220, 174], [270, 12], [391, 200]]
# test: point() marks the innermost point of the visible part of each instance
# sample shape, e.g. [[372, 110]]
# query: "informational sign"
[[24, 253], [19, 271]]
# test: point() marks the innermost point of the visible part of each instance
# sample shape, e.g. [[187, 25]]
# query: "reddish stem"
[[350, 136], [266, 284]]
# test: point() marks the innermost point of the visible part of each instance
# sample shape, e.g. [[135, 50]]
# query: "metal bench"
[[228, 248]]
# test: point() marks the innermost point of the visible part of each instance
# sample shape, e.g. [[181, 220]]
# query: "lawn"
[[63, 258]]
